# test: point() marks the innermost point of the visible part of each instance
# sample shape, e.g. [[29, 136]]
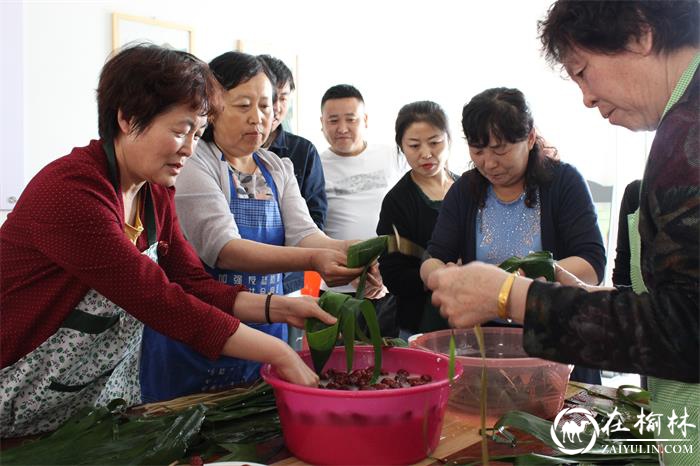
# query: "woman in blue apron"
[[92, 251], [240, 207], [169, 368]]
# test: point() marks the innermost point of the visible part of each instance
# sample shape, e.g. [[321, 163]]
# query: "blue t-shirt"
[[507, 229]]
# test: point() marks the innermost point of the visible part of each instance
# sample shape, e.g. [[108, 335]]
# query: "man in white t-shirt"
[[358, 175]]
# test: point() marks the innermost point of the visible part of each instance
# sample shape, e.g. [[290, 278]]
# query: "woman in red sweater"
[[93, 250]]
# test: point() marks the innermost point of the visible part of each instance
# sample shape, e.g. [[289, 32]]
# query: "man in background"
[[303, 154], [358, 174]]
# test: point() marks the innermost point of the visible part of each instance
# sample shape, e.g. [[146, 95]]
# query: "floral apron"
[[169, 368], [669, 397], [91, 359]]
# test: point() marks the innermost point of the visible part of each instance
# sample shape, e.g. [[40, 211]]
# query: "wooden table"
[[459, 438]]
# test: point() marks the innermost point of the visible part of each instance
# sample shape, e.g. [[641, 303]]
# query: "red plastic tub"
[[387, 427]]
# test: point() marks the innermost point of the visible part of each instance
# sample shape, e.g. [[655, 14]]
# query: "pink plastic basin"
[[400, 426], [515, 381]]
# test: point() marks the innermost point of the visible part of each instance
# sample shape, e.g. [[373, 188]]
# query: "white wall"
[[394, 52]]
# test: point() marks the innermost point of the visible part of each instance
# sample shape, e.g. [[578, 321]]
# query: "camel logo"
[[571, 431]]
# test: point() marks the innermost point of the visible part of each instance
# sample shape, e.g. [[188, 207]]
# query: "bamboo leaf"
[[239, 452], [322, 337], [108, 438], [540, 428], [451, 370], [349, 337], [321, 344], [361, 254], [633, 395], [322, 340], [173, 442], [330, 302], [535, 265], [362, 336], [105, 436], [370, 315], [394, 342], [360, 291], [404, 246], [482, 394]]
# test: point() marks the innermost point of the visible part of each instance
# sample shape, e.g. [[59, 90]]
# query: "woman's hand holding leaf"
[[331, 265], [294, 311], [322, 337], [467, 295], [345, 244]]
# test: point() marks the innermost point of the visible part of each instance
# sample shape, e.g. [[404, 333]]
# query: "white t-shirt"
[[355, 189]]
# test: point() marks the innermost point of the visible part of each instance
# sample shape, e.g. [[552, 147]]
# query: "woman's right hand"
[[295, 310], [252, 344], [467, 295], [291, 368], [331, 265]]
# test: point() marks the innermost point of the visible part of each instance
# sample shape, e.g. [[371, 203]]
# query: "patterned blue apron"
[[169, 368]]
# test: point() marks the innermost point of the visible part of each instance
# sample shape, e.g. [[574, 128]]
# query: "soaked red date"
[[359, 379]]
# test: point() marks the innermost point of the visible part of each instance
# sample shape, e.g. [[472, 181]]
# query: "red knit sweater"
[[65, 236]]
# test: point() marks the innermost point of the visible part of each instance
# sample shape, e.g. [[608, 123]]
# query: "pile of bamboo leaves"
[[600, 453], [628, 401], [241, 424]]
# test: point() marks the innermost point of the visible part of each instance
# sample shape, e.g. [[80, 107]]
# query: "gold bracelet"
[[504, 294]]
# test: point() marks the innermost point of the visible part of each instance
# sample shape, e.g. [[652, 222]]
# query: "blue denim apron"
[[169, 368]]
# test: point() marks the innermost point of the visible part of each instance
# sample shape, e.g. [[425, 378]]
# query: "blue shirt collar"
[[280, 141]]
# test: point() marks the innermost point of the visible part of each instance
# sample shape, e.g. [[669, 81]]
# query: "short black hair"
[[232, 69], [499, 112], [608, 26], [424, 111], [503, 114], [282, 73], [341, 91]]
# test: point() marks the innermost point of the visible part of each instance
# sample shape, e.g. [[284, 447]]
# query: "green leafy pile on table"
[[244, 426], [628, 402]]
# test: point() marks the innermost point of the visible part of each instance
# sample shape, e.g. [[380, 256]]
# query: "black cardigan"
[[414, 216], [630, 203], [568, 221]]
